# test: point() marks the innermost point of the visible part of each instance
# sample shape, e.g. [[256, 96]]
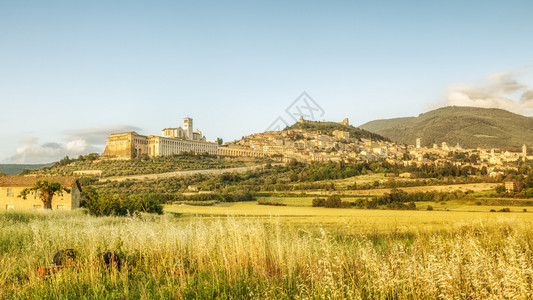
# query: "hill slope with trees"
[[145, 165], [14, 169], [471, 127], [329, 127]]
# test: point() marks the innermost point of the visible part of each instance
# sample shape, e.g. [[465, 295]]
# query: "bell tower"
[[187, 127]]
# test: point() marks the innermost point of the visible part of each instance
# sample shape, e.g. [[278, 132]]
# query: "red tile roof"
[[28, 181]]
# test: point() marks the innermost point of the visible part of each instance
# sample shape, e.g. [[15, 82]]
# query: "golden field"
[[250, 251], [357, 220]]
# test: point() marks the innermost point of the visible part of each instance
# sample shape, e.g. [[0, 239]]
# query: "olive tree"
[[46, 191]]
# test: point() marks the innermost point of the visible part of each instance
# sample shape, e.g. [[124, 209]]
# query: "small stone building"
[[510, 186], [11, 186]]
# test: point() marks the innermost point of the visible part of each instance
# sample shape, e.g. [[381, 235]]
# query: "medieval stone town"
[[129, 145], [304, 146]]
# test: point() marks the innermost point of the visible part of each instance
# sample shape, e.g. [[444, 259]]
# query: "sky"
[[72, 72]]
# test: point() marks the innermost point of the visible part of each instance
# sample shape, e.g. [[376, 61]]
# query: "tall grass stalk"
[[169, 257]]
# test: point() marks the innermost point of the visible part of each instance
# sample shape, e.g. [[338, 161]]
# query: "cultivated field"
[[184, 173], [245, 250], [357, 221], [476, 187]]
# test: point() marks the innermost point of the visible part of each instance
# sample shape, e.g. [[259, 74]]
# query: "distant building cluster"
[[309, 146], [338, 145], [129, 145], [305, 146], [493, 159]]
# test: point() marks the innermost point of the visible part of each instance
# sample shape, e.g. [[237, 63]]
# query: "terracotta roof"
[[28, 181], [130, 132]]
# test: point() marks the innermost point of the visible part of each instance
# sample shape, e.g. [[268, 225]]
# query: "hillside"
[[329, 127], [469, 126], [14, 169], [164, 164]]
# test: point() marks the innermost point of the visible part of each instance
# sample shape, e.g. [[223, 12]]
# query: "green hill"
[[329, 127], [471, 127], [154, 165], [14, 169]]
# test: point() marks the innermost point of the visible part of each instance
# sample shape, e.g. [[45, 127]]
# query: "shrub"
[[88, 180], [397, 195], [506, 209], [145, 203], [500, 189], [430, 207], [119, 205], [263, 201], [319, 202], [333, 201], [402, 206], [366, 203], [239, 196], [371, 204], [198, 203]]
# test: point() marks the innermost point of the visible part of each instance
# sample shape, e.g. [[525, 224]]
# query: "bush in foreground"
[[120, 205]]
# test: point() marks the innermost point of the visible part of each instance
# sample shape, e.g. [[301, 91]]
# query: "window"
[[61, 207], [10, 207], [10, 192]]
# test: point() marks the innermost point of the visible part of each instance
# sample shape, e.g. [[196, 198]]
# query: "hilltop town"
[[309, 141]]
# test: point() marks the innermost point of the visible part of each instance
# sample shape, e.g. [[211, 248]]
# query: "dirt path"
[[183, 173]]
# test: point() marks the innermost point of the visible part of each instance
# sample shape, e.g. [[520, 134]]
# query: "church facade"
[[128, 145]]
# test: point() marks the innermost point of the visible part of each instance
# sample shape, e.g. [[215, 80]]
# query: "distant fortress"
[[128, 145]]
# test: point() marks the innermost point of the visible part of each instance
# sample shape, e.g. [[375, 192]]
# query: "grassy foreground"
[[262, 257]]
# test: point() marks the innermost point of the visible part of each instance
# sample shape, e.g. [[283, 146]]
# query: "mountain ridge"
[[14, 169], [470, 127]]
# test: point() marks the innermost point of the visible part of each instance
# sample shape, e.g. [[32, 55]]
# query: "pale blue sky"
[[73, 71]]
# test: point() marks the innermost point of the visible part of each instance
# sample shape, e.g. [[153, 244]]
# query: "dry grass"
[[357, 220], [456, 205], [476, 187], [266, 257]]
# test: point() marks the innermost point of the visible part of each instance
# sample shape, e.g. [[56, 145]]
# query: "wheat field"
[[265, 257]]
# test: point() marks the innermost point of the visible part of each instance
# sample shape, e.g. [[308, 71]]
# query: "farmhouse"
[[11, 186], [510, 186]]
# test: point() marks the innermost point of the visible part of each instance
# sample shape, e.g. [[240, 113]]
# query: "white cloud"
[[527, 96], [500, 90], [49, 152], [76, 142], [30, 140], [97, 136]]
